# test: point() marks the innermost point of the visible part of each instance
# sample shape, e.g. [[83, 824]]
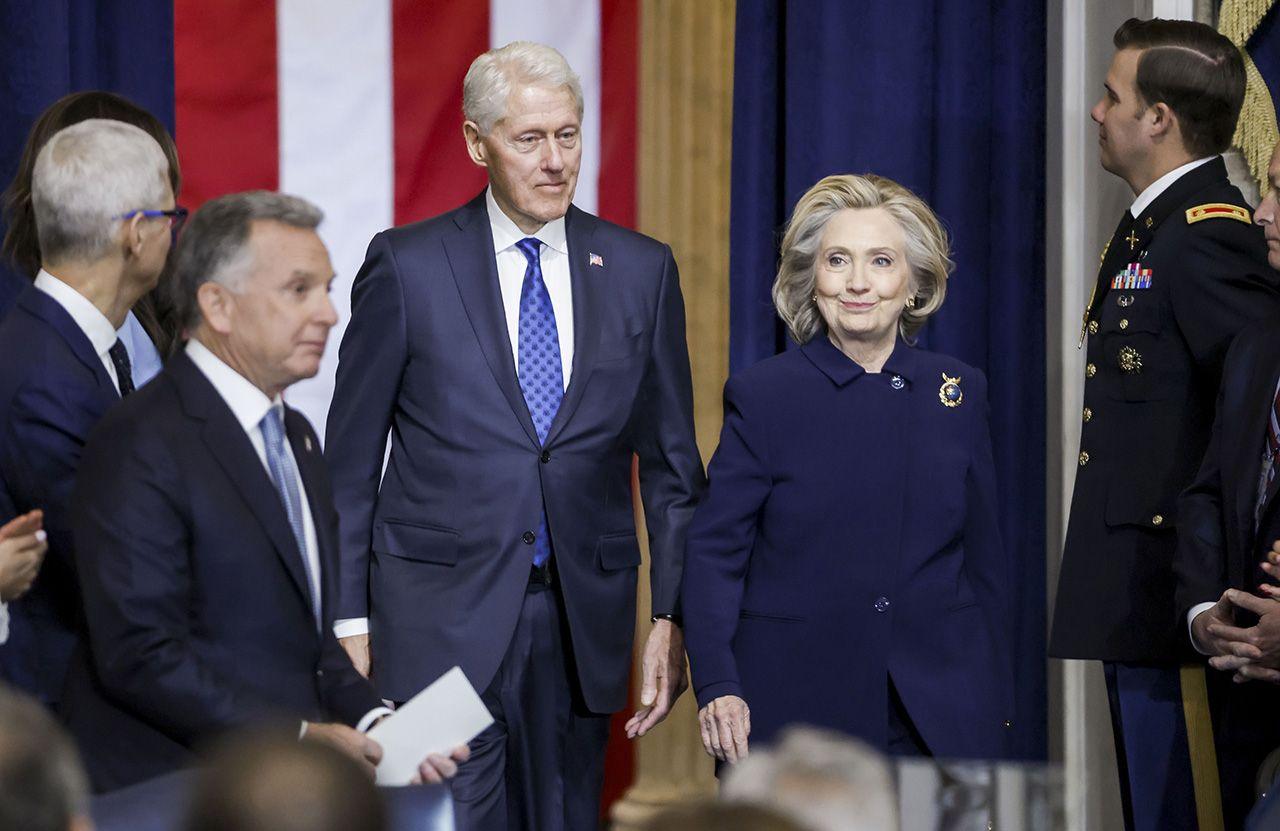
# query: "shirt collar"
[[1152, 192], [248, 403], [101, 334], [506, 234]]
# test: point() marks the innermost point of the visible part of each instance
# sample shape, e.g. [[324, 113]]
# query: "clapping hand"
[[22, 549]]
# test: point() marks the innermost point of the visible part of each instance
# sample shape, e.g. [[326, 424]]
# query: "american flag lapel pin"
[[595, 259]]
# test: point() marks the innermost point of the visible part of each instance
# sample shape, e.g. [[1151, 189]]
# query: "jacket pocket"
[[416, 541], [618, 551], [747, 614]]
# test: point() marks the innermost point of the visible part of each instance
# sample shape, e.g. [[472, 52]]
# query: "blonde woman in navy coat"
[[845, 569]]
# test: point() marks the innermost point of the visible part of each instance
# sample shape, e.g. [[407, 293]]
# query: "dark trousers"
[[540, 765], [1151, 747]]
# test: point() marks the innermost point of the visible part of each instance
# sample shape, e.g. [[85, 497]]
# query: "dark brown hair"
[[1195, 71], [21, 245]]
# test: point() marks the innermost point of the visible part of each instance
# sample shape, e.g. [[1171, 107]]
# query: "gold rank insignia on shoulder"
[[1216, 210], [950, 393]]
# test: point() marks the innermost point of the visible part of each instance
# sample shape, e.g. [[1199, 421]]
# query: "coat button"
[[528, 537], [1157, 520], [1093, 327], [1084, 458], [545, 457], [1091, 370], [1008, 724], [319, 673], [882, 604], [1087, 415], [896, 382], [1124, 324]]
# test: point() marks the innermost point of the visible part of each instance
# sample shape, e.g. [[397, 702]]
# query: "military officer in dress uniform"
[[1184, 271]]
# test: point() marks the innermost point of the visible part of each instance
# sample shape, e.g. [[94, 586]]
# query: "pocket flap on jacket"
[[617, 551], [415, 541]]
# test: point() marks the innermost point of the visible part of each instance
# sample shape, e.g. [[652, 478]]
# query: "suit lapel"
[[475, 270], [1259, 399], [47, 309], [228, 444], [587, 283]]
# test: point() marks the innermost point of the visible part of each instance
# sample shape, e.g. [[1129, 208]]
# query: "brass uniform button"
[[1088, 414], [1093, 327], [1157, 520], [1091, 370], [1124, 323], [1084, 460]]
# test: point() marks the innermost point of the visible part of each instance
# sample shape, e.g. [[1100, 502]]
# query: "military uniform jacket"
[[1175, 285]]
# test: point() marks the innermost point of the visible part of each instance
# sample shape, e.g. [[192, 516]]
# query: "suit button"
[[1008, 724], [545, 457], [1084, 458], [1124, 324], [1091, 370], [1087, 415], [319, 673], [1157, 520], [1093, 327], [882, 604], [528, 537]]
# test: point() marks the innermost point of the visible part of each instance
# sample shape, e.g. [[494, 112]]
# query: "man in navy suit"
[[520, 351], [205, 535], [103, 204], [1231, 525]]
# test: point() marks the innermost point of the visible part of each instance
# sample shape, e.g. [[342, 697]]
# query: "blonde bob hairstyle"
[[928, 250]]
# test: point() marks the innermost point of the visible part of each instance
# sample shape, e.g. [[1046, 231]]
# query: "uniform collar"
[[1153, 191], [506, 233], [101, 334], [842, 369]]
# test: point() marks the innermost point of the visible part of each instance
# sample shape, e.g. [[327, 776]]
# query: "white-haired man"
[[520, 352], [103, 207]]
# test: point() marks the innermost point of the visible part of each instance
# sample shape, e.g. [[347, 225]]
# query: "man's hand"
[[22, 549], [663, 672], [1259, 644], [357, 647], [350, 741], [436, 768], [725, 724], [1219, 615]]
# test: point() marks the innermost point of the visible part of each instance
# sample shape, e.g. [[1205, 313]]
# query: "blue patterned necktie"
[[541, 373], [284, 475]]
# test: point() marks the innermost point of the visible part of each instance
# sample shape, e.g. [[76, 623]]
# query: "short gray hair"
[[928, 250], [42, 785], [87, 176], [489, 81], [822, 779], [214, 245]]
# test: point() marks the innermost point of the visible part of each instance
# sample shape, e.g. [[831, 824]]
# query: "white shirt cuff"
[[1196, 611], [4, 622], [370, 717], [302, 731], [350, 626]]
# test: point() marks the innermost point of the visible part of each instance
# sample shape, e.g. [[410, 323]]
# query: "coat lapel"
[[1244, 474], [47, 309], [228, 444], [475, 270], [587, 282]]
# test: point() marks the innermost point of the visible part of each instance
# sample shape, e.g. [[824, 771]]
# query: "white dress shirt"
[[1152, 191], [250, 405], [91, 321], [512, 264]]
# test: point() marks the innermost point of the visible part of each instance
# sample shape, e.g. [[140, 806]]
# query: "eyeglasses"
[[176, 217]]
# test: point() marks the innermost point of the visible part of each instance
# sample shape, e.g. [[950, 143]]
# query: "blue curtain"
[[49, 48], [1264, 48], [948, 98]]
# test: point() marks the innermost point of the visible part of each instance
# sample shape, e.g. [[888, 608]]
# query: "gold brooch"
[[1130, 360], [950, 393]]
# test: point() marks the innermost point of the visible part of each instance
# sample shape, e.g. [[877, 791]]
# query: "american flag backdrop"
[[356, 105]]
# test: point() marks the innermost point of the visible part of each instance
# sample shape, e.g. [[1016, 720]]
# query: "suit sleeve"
[[131, 531], [721, 539], [371, 363], [671, 476]]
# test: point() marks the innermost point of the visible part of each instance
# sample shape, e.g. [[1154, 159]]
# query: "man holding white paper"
[[206, 531]]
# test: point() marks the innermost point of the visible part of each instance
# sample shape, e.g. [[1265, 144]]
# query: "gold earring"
[[815, 297], [911, 302]]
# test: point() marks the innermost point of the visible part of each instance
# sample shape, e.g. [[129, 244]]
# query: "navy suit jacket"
[[53, 390], [194, 590], [849, 535], [1218, 545], [438, 556]]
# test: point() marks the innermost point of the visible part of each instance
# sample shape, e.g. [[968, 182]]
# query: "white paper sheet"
[[441, 717]]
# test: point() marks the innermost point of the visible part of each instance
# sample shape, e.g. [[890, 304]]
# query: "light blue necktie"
[[541, 373], [284, 475]]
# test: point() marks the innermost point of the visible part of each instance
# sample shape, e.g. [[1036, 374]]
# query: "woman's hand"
[[725, 724], [22, 548]]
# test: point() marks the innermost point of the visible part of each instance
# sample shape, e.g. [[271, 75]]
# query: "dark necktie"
[[539, 367], [124, 371]]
